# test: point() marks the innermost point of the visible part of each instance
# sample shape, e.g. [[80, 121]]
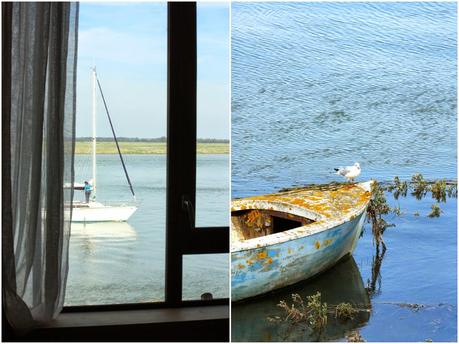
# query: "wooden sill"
[[137, 317], [197, 323]]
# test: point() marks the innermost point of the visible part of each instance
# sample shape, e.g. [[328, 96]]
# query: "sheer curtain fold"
[[39, 42]]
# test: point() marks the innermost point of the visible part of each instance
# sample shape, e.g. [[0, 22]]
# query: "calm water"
[[125, 262], [320, 85]]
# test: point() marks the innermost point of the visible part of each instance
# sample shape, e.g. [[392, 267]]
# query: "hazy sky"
[[128, 44]]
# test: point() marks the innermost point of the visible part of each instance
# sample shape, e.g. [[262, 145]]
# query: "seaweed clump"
[[436, 211], [452, 190], [313, 313], [420, 186], [354, 337], [378, 207], [438, 190], [345, 311], [398, 188]]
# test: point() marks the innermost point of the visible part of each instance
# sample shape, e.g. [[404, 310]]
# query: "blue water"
[[112, 263], [321, 85]]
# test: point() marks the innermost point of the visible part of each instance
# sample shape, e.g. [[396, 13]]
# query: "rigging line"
[[114, 136]]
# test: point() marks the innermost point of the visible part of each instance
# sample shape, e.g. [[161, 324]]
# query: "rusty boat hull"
[[284, 238]]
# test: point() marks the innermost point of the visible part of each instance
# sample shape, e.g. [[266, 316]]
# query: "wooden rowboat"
[[283, 238]]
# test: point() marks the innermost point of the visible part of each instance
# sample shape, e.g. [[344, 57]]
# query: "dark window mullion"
[[181, 138]]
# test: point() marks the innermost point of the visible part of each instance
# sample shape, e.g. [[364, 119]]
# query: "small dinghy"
[[283, 238]]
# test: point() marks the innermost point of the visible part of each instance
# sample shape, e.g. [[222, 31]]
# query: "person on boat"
[[87, 190]]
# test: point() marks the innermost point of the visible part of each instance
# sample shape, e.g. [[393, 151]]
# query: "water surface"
[[321, 85], [125, 262]]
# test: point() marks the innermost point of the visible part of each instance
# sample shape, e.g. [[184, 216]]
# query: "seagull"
[[349, 172]]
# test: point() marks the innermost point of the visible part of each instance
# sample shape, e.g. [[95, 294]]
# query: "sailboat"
[[93, 211]]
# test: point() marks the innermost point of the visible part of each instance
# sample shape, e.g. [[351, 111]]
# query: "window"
[[183, 238], [121, 262], [186, 245], [212, 161]]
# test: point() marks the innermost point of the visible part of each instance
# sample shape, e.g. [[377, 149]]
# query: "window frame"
[[182, 237]]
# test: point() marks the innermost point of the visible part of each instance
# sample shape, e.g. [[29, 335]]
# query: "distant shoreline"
[[144, 147]]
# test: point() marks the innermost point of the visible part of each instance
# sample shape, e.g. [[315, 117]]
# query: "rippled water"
[[125, 262], [419, 267], [320, 85]]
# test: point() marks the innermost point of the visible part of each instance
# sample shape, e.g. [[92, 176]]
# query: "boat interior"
[[255, 223]]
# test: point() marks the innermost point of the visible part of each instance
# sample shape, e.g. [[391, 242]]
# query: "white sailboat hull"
[[97, 212]]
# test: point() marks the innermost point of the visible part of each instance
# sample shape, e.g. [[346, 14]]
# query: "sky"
[[127, 42]]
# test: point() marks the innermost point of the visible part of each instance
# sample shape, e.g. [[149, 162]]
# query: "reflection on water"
[[88, 235], [103, 230], [342, 283], [374, 283]]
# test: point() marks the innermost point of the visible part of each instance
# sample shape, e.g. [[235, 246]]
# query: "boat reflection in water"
[[342, 283], [103, 230]]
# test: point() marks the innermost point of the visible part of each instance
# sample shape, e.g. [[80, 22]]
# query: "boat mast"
[[94, 132], [116, 140]]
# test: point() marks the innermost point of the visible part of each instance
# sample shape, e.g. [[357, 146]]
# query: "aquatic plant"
[[398, 187], [438, 189], [419, 185], [294, 314], [376, 208], [354, 337], [345, 311], [374, 284], [397, 211], [415, 307], [317, 317], [313, 313], [435, 211], [452, 190]]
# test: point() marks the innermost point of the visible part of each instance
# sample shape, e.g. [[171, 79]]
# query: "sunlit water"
[[125, 262], [320, 85]]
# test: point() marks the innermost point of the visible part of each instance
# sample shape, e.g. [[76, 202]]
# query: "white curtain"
[[39, 41]]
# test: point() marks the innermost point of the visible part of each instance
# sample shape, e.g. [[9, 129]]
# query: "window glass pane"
[[204, 274], [208, 274], [213, 113], [121, 262]]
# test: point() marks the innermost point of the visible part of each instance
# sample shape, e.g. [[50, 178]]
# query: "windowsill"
[[192, 323], [139, 317]]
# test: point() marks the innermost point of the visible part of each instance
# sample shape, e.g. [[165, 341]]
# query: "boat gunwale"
[[320, 225]]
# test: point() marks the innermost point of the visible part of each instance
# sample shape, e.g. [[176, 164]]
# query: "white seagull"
[[349, 172]]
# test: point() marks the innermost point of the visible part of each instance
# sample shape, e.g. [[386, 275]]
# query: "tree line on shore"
[[138, 139]]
